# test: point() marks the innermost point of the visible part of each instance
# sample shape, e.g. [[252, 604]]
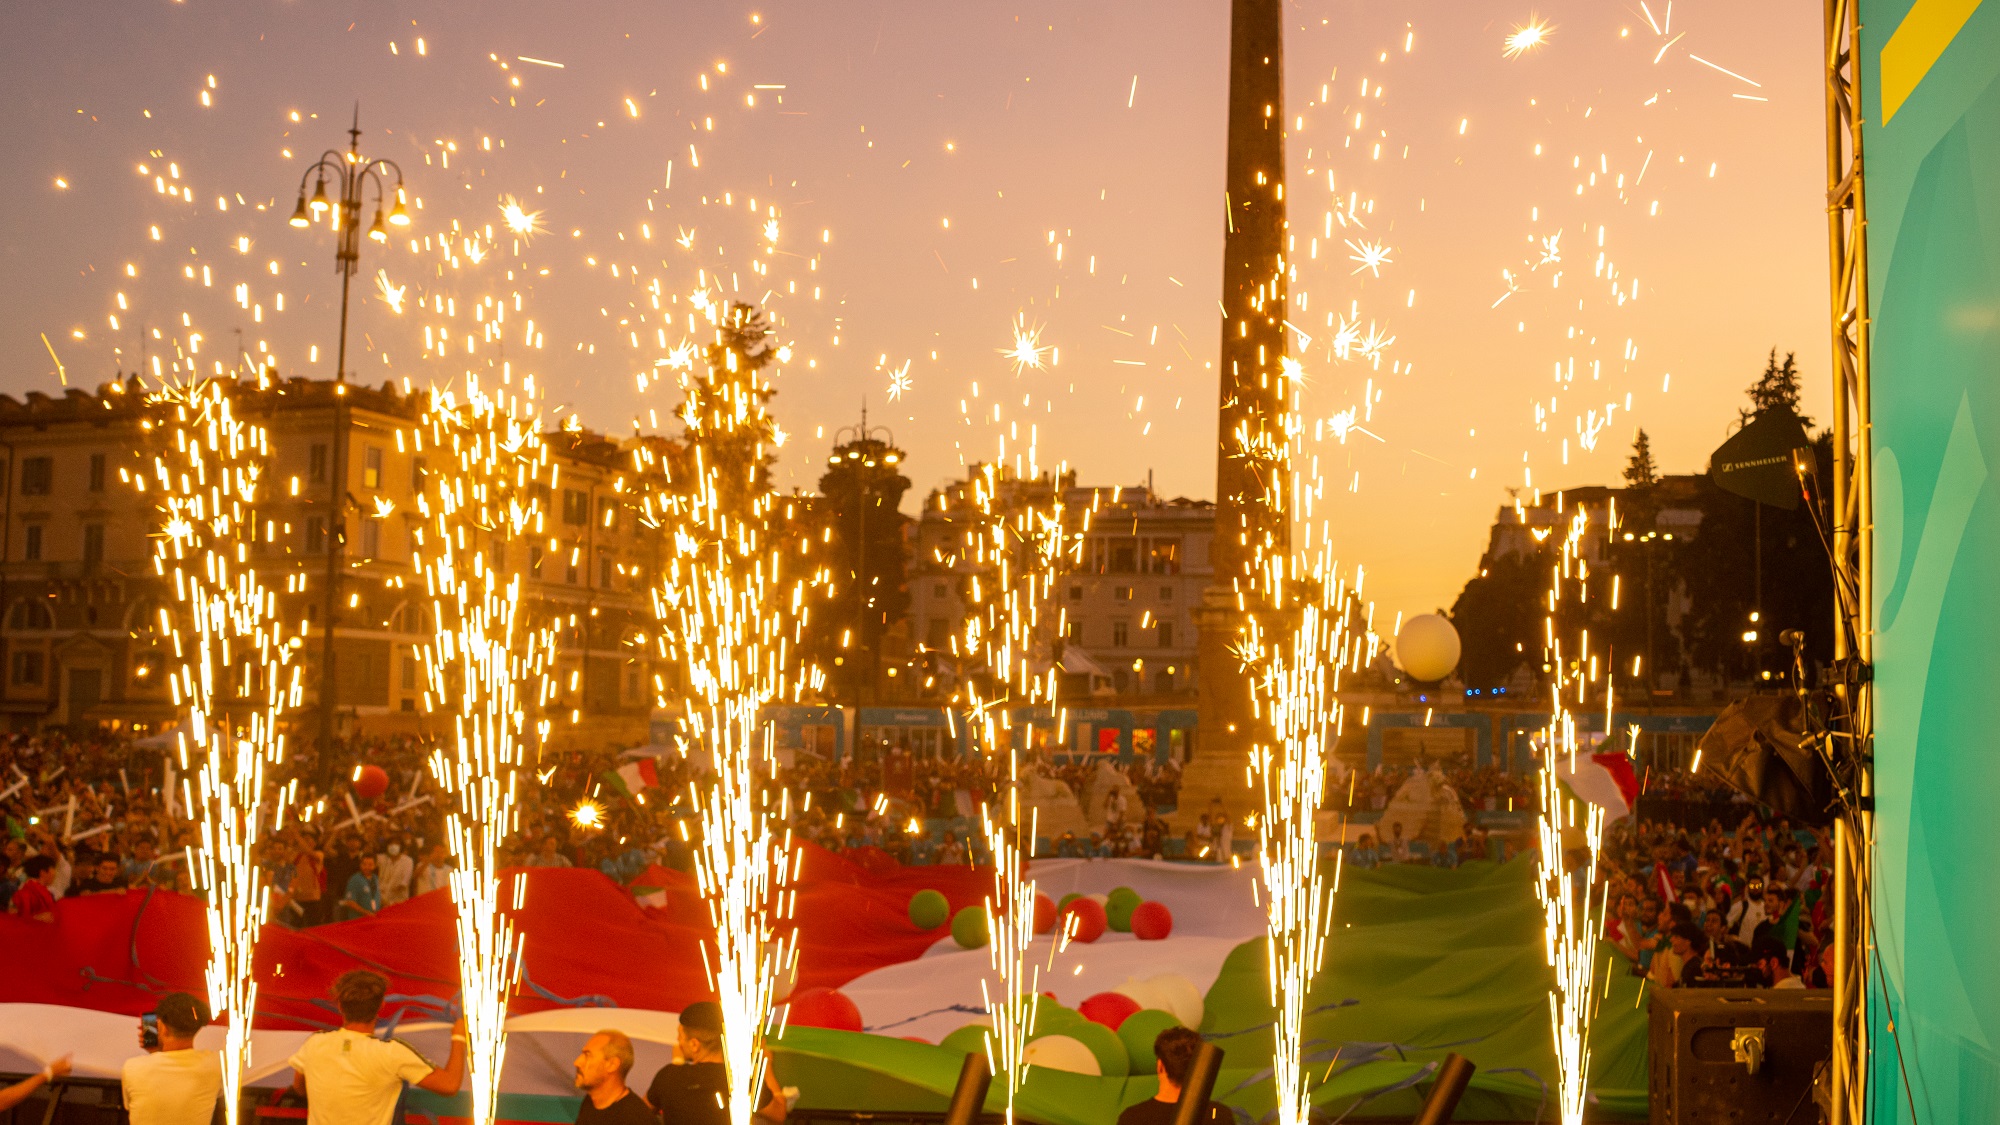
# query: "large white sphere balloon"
[[1060, 1052], [1427, 648]]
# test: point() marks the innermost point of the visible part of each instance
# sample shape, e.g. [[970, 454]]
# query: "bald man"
[[601, 1068]]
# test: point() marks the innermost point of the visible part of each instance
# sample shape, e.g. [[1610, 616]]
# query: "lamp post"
[[351, 176]]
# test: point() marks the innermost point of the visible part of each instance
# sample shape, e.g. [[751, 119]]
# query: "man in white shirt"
[[393, 872], [349, 1077], [435, 873], [173, 1084]]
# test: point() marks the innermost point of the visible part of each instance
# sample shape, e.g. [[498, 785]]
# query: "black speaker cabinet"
[[1743, 1056]]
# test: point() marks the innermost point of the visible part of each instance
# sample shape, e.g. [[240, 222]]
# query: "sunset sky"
[[1635, 207]]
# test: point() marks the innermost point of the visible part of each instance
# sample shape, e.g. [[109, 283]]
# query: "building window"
[[410, 661], [371, 539], [1118, 555], [419, 474], [535, 560], [938, 634], [38, 475], [607, 514], [1121, 593], [1164, 683], [1120, 631], [315, 535], [33, 547], [576, 507], [1163, 556], [316, 465], [1166, 593], [93, 544], [371, 467], [27, 668], [1076, 591], [937, 589], [1166, 634], [97, 472], [603, 570], [1073, 632], [31, 614]]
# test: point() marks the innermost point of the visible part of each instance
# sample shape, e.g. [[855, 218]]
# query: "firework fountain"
[[486, 664], [1570, 840], [1013, 548], [729, 616], [235, 678]]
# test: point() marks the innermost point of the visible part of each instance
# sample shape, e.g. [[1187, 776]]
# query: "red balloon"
[[370, 782], [1045, 913], [823, 1007], [1089, 915], [1152, 921], [1108, 1008]]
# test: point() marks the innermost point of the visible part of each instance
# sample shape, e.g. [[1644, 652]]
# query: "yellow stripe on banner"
[[1918, 43]]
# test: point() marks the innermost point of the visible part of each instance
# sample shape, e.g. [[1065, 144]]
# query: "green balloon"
[[1052, 1018], [929, 910], [1068, 898], [967, 1040], [1118, 908], [1138, 1032], [1105, 1044], [968, 927]]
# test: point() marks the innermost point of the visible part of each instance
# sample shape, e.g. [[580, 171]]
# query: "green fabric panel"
[[1420, 962]]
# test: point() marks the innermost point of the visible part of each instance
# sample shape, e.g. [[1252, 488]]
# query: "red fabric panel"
[[585, 937]]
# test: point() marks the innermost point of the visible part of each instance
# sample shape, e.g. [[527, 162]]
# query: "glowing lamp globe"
[[1427, 648], [370, 782]]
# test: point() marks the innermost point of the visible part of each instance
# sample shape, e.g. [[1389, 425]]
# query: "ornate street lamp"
[[351, 177]]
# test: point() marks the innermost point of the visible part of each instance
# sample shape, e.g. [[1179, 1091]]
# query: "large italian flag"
[[1605, 780]]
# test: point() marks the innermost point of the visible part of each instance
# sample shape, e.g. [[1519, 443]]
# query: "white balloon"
[[1427, 648], [1180, 997], [1060, 1052]]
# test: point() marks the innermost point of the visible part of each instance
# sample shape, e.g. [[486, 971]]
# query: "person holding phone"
[[173, 1083]]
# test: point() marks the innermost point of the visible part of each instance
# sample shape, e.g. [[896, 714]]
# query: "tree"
[[726, 411], [1776, 390], [861, 535], [1639, 471], [1499, 618]]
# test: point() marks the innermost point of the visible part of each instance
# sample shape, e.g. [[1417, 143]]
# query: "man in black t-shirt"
[[1174, 1049], [601, 1068], [694, 1089]]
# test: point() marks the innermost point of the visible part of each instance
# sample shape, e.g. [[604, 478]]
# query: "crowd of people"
[[1719, 905], [99, 814]]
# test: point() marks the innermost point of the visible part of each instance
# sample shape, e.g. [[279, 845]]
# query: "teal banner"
[[1930, 72]]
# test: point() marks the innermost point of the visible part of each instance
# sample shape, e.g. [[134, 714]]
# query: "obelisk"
[[1250, 524]]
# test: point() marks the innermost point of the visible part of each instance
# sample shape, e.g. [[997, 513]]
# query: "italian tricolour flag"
[[1604, 780], [634, 777]]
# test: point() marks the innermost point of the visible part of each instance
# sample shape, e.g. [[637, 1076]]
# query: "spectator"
[[1671, 965], [24, 1089], [363, 898], [102, 878], [173, 1083], [34, 899], [349, 1077], [342, 861], [394, 870], [1776, 963], [548, 855], [1398, 848], [601, 1068], [1173, 1052], [1748, 911], [435, 874], [308, 883], [694, 1088]]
